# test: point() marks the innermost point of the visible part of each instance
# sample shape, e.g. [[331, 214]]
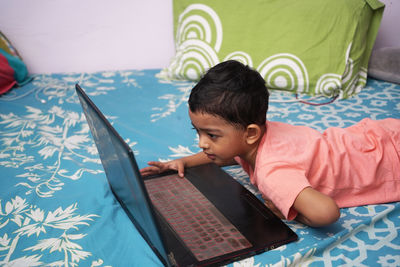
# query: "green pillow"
[[314, 47]]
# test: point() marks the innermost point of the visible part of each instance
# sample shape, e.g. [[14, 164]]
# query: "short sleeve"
[[282, 185]]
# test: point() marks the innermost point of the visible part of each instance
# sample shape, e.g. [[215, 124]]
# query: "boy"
[[302, 174]]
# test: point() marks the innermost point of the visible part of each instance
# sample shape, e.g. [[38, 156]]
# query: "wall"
[[89, 35], [93, 35], [389, 32]]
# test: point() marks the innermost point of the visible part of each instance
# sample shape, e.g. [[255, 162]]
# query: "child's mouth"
[[211, 156]]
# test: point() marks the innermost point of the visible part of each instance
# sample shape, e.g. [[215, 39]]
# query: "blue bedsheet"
[[56, 208]]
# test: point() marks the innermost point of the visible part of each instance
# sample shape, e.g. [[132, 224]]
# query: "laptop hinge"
[[172, 259]]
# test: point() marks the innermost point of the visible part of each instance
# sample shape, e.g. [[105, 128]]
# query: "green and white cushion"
[[312, 47]]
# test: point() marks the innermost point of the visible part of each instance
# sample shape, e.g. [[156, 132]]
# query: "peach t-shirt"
[[355, 166]]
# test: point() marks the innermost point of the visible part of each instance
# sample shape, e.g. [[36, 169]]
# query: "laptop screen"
[[122, 173]]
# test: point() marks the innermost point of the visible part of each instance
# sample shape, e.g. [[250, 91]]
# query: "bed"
[[56, 207]]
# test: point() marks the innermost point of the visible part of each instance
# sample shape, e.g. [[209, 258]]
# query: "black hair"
[[232, 91]]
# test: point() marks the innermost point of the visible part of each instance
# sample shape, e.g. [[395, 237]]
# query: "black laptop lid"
[[120, 166]]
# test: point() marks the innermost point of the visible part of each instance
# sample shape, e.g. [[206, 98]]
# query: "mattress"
[[56, 207]]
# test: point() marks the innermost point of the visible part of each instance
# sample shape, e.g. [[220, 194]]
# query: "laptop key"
[[184, 206]]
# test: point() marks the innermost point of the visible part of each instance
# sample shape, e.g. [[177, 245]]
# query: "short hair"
[[232, 91]]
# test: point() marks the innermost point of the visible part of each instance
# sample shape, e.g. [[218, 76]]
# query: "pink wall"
[[389, 32], [89, 35], [93, 35]]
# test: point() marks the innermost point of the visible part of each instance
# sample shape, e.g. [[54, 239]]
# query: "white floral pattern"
[[55, 205], [30, 220]]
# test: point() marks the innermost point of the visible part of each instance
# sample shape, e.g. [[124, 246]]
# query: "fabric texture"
[[13, 70], [56, 206], [355, 166], [311, 47]]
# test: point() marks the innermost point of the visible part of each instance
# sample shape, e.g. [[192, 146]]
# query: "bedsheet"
[[56, 208]]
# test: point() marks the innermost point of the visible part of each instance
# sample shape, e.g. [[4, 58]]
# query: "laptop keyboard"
[[203, 229]]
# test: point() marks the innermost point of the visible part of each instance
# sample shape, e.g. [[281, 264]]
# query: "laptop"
[[205, 218]]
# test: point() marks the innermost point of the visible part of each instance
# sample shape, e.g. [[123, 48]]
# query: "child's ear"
[[253, 133]]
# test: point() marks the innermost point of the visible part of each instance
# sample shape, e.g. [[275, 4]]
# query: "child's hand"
[[157, 167], [273, 208]]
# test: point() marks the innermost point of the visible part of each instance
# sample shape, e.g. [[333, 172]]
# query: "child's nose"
[[203, 143]]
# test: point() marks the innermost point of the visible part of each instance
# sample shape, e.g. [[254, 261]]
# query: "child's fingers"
[[149, 171], [157, 167], [181, 169], [155, 164]]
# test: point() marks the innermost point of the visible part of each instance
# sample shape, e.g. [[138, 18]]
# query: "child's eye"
[[212, 136]]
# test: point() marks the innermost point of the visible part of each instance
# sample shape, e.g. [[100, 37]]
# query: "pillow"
[[385, 64], [313, 47], [12, 69]]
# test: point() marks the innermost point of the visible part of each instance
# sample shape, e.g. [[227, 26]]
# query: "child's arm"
[[180, 164], [315, 209]]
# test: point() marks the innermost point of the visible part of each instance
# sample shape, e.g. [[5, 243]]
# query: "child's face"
[[220, 140]]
